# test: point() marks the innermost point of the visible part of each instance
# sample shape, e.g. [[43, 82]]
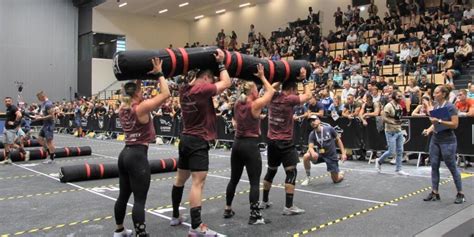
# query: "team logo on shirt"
[[101, 122], [406, 130]]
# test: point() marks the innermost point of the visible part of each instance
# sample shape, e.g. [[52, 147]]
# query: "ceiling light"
[[101, 43], [183, 4], [362, 9], [220, 11], [244, 5], [163, 11], [113, 40], [199, 17], [123, 4]]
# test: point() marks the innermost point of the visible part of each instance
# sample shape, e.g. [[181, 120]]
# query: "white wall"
[[142, 32], [103, 75], [268, 17]]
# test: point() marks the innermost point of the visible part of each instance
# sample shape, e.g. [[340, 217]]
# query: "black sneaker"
[[256, 218], [432, 197], [459, 198], [228, 213]]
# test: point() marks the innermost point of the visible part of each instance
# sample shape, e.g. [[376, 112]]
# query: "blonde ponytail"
[[245, 89]]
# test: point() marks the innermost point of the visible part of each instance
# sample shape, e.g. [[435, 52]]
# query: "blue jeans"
[[395, 142], [448, 153]]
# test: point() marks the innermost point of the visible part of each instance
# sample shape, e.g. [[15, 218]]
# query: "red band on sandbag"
[[78, 151], [173, 61], [163, 164], [29, 142], [174, 163], [185, 60], [228, 59], [271, 68], [41, 153], [88, 170], [287, 69], [101, 168], [22, 157], [239, 64], [67, 151]]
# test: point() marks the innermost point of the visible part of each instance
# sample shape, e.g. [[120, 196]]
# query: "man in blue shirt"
[[46, 134], [322, 144]]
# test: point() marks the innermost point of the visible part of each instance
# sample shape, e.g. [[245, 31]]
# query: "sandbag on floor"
[[83, 172], [41, 153], [27, 143]]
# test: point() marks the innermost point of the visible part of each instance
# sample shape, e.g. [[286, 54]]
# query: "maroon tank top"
[[247, 125], [136, 132]]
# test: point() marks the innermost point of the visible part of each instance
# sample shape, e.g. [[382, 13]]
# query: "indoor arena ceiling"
[[174, 11]]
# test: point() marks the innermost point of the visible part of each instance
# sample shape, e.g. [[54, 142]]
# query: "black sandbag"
[[39, 154], [87, 171], [27, 143], [136, 64]]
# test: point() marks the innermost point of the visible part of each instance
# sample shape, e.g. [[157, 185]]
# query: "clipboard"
[[443, 114]]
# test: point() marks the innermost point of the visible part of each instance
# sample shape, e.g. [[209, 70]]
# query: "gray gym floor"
[[34, 203]]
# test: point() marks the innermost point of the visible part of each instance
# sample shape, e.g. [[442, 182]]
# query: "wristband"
[[221, 67], [159, 74]]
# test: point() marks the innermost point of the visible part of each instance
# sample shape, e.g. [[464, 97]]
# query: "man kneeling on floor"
[[325, 138]]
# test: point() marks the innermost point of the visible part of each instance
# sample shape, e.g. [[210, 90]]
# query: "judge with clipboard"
[[444, 118]]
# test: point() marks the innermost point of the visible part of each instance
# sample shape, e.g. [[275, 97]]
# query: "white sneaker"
[[6, 162], [401, 172], [378, 166], [202, 231], [265, 205], [177, 221], [393, 161], [294, 210], [48, 161], [124, 233], [305, 182]]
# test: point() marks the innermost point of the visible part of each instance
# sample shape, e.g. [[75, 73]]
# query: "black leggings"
[[245, 152], [134, 173]]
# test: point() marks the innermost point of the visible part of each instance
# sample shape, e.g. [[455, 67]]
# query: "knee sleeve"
[[291, 176], [270, 175]]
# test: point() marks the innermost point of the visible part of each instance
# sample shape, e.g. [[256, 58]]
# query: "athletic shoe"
[[305, 182], [124, 233], [48, 161], [401, 172], [265, 205], [432, 197], [6, 162], [294, 210], [393, 161], [459, 198], [258, 220], [378, 166], [202, 231], [228, 213], [177, 221]]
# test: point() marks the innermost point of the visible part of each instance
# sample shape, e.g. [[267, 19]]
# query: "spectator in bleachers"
[[363, 47], [314, 107], [337, 78], [373, 48], [470, 93], [414, 51], [347, 90], [465, 105], [251, 34], [423, 109], [338, 17], [381, 84], [404, 58], [351, 40], [326, 100], [464, 51], [351, 108], [336, 107], [420, 71], [412, 95], [360, 93], [369, 109], [372, 9]]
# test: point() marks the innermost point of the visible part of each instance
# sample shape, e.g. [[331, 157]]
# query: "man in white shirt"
[[346, 91]]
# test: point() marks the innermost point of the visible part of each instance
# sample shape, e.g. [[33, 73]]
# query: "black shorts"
[[282, 152], [193, 153]]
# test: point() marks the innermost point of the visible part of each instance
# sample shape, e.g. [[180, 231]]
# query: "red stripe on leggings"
[[287, 69], [173, 61], [239, 64], [101, 168], [271, 68], [185, 60], [88, 170]]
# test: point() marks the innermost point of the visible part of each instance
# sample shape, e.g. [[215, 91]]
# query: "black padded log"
[[28, 143], [136, 64], [39, 154], [87, 171]]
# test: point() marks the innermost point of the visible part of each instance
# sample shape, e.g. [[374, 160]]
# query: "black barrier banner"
[[353, 133], [164, 125]]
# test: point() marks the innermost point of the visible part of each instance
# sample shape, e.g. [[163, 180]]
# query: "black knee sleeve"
[[291, 176], [270, 175]]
